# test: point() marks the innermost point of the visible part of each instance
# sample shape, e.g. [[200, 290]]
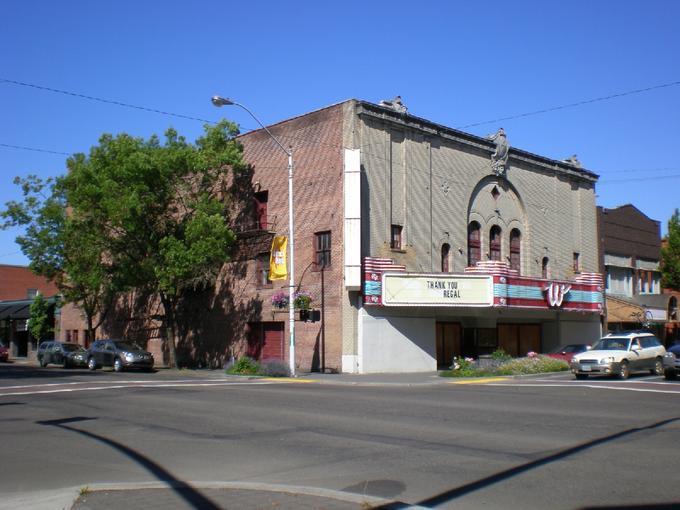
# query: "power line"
[[632, 179], [571, 105], [35, 149], [101, 100]]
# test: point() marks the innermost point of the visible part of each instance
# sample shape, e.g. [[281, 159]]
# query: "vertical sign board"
[[417, 289]]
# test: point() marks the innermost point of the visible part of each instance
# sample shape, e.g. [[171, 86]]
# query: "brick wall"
[[15, 281]]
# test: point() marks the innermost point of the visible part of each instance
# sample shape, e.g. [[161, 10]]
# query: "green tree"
[[39, 324], [670, 255], [162, 210], [63, 245]]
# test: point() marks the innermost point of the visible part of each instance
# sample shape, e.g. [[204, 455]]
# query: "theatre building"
[[417, 243]]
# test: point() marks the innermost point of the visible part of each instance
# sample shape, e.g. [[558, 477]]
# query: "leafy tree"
[[39, 318], [162, 211], [670, 255], [62, 245]]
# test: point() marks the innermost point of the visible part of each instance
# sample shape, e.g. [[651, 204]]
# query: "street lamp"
[[223, 101]]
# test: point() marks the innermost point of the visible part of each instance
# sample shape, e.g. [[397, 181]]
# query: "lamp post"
[[223, 101]]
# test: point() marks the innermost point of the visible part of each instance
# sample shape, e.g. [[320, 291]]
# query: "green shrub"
[[244, 366], [500, 355], [536, 364]]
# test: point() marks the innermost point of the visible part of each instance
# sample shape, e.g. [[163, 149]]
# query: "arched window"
[[495, 243], [515, 247], [446, 249], [544, 268], [474, 244]]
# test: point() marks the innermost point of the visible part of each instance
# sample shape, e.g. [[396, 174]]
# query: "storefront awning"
[[15, 311], [619, 310]]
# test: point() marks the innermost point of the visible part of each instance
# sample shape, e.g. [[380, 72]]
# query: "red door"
[[265, 340]]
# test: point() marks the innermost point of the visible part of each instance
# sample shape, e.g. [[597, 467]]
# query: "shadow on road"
[[29, 372], [450, 495], [183, 489]]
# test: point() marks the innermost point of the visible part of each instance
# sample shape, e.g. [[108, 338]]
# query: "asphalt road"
[[544, 443]]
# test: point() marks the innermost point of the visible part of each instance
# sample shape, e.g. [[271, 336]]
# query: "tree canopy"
[[670, 255], [134, 214]]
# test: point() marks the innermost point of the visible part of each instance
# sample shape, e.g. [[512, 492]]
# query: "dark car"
[[566, 352], [118, 354], [671, 362], [4, 353], [62, 353]]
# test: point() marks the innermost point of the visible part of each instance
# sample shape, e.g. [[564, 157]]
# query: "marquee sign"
[[489, 283], [555, 292], [418, 289]]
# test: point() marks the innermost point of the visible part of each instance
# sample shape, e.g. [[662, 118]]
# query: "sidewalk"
[[192, 496]]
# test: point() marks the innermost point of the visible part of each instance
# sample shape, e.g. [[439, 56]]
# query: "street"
[[537, 442]]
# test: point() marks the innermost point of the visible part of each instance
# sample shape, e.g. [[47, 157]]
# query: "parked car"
[[620, 354], [4, 353], [671, 362], [118, 354], [566, 352], [62, 353]]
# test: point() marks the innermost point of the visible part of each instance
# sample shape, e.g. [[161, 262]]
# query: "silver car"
[[620, 354]]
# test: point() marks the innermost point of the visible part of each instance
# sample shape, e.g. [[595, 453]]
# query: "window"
[[474, 244], [544, 268], [577, 262], [263, 270], [515, 246], [446, 249], [673, 309], [261, 198], [495, 243], [322, 249], [395, 239]]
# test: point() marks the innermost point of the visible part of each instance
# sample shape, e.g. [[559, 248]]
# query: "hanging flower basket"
[[280, 300], [302, 300]]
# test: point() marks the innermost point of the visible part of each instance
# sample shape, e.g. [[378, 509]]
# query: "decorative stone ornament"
[[499, 159], [394, 104]]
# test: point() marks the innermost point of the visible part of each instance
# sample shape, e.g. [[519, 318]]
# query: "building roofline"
[[605, 209], [409, 120], [428, 126]]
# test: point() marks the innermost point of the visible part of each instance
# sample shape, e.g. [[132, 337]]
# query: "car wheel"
[[658, 367], [91, 364], [117, 365], [581, 376], [670, 374], [43, 362], [66, 363], [624, 371]]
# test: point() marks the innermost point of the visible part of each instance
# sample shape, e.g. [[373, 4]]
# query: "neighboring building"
[[417, 243], [18, 287], [672, 333], [631, 253]]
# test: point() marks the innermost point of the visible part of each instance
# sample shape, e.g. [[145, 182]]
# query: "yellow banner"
[[277, 259]]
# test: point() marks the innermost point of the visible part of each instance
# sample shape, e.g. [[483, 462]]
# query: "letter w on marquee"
[[555, 292]]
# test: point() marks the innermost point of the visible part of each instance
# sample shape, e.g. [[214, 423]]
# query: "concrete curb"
[[65, 498]]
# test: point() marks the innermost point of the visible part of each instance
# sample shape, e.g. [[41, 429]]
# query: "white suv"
[[620, 354]]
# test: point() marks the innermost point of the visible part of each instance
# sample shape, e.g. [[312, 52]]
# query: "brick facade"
[[16, 281]]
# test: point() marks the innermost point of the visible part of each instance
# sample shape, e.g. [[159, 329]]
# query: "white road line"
[[576, 385], [120, 386], [102, 382]]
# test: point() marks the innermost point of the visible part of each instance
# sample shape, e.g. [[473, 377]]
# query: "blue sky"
[[456, 63]]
